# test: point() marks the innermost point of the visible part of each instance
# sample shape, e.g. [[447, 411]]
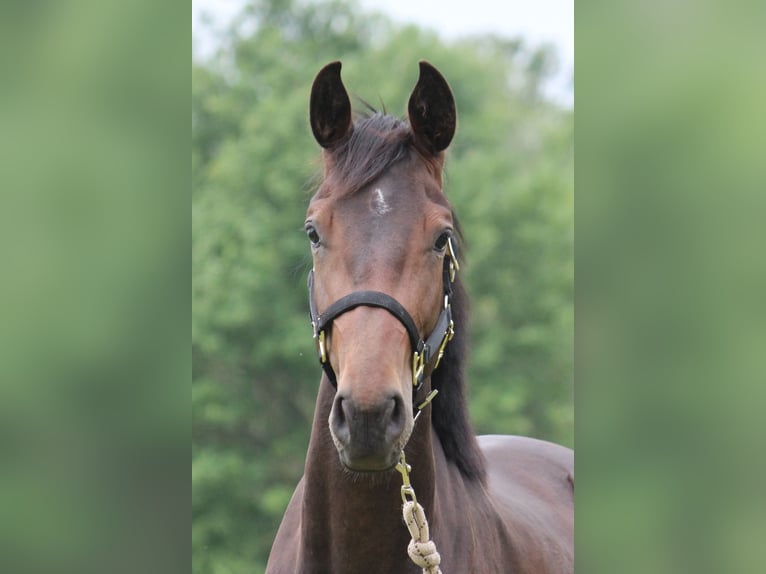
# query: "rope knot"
[[424, 554], [422, 551]]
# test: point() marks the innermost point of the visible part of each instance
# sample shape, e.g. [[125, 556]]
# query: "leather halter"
[[426, 352]]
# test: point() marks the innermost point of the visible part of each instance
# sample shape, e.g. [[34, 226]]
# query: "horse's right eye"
[[313, 235], [441, 241]]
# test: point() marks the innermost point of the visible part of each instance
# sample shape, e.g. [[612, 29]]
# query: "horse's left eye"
[[441, 241], [312, 234]]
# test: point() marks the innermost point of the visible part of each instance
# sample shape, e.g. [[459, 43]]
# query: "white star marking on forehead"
[[378, 203]]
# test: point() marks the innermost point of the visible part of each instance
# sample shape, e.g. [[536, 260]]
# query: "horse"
[[389, 314]]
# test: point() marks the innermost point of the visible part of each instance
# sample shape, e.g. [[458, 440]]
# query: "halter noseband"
[[426, 353]]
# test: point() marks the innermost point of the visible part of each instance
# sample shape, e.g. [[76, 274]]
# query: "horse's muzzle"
[[368, 439]]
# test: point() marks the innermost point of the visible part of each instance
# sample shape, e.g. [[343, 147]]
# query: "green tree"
[[254, 162]]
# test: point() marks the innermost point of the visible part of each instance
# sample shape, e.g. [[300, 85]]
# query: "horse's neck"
[[350, 520]]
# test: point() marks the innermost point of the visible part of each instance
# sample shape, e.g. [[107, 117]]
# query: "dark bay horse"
[[385, 294]]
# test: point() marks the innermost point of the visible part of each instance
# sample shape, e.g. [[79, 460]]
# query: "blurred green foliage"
[[254, 161], [94, 320], [94, 237], [671, 287]]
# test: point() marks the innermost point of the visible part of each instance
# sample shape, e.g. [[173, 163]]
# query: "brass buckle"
[[417, 368], [447, 338], [454, 266], [321, 347]]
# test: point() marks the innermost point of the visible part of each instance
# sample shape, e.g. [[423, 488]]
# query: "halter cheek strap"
[[426, 353]]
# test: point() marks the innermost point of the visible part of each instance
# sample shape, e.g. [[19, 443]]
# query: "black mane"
[[376, 143], [450, 408]]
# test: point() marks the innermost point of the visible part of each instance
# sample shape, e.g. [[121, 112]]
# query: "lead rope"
[[421, 549]]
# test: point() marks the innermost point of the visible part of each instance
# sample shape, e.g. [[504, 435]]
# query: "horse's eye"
[[313, 235], [441, 241]]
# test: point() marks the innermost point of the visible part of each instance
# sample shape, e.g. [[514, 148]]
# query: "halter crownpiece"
[[426, 353]]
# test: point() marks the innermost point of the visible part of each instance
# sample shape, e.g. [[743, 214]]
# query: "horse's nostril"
[[396, 422], [368, 428], [339, 418], [342, 406]]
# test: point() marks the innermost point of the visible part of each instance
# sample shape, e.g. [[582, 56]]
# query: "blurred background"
[[509, 176], [95, 358]]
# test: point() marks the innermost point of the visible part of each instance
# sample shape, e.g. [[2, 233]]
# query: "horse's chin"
[[381, 459], [368, 464]]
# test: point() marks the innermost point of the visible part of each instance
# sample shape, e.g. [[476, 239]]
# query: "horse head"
[[382, 238]]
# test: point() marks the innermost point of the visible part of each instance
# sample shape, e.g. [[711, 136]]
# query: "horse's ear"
[[432, 110], [329, 108]]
